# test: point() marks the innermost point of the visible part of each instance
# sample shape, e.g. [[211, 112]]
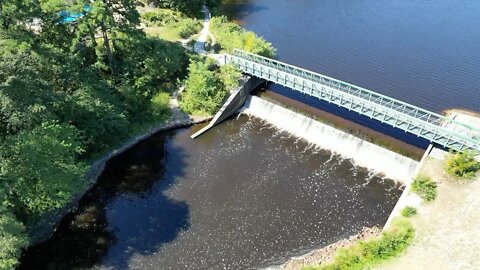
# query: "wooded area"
[[69, 91]]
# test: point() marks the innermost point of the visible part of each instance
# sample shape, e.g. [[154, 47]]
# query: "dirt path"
[[448, 229]]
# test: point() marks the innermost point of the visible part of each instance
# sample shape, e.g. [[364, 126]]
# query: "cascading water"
[[361, 152]]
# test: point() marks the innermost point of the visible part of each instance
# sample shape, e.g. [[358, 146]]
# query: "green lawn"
[[163, 32]]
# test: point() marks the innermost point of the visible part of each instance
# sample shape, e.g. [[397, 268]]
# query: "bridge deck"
[[423, 123]]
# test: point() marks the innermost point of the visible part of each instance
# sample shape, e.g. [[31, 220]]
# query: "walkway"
[[199, 46]]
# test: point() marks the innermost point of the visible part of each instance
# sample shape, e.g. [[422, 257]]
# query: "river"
[[241, 196], [421, 52], [245, 195]]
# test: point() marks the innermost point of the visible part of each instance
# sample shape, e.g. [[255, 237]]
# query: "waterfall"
[[361, 152]]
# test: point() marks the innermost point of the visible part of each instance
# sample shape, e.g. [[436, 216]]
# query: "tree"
[[41, 169], [13, 237], [229, 75], [26, 97], [203, 92]]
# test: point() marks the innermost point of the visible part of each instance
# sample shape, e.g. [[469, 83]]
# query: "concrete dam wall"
[[361, 152]]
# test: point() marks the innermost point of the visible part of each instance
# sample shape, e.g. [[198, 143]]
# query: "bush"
[[462, 164], [162, 17], [409, 211], [203, 91], [188, 27], [161, 105], [207, 86], [231, 36], [425, 187], [365, 254]]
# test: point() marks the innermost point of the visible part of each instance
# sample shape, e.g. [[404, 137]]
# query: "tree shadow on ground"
[[130, 192]]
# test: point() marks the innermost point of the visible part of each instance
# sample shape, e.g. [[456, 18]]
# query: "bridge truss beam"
[[428, 125]]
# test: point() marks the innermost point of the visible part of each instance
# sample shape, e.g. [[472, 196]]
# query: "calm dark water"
[[419, 51], [239, 197]]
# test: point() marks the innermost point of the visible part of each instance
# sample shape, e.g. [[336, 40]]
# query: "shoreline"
[[324, 255], [45, 228]]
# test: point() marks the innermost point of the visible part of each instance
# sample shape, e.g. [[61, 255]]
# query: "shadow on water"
[[240, 9], [84, 237]]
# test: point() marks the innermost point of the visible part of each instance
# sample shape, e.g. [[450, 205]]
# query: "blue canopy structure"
[[67, 17]]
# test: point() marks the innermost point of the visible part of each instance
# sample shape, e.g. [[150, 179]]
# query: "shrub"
[[425, 187], [230, 36], [408, 211], [161, 105], [462, 164], [188, 27], [365, 254], [207, 86], [203, 92], [161, 17]]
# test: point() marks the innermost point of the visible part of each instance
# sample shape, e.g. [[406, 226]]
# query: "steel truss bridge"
[[423, 123]]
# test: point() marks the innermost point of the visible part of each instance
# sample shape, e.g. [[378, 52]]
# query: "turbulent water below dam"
[[242, 196]]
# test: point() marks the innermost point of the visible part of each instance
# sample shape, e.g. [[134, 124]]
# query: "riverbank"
[[43, 229], [446, 229], [326, 254]]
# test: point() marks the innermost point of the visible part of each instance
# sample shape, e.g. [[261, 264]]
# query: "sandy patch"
[[447, 230]]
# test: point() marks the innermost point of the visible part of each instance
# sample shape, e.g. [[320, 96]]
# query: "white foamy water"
[[361, 152]]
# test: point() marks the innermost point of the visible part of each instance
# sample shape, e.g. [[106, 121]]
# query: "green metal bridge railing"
[[423, 123]]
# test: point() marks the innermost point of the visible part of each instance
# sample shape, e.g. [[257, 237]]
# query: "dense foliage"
[[206, 86], [12, 239], [462, 164], [365, 254], [231, 36], [424, 187], [70, 90]]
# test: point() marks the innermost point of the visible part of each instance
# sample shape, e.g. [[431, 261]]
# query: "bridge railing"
[[418, 113]]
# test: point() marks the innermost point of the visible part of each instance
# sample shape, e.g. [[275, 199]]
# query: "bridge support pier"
[[233, 103]]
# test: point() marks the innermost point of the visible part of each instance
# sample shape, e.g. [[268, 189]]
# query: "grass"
[[366, 254], [163, 32], [170, 25], [424, 187], [408, 211]]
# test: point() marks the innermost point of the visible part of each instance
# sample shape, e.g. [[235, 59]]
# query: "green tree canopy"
[[40, 168]]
